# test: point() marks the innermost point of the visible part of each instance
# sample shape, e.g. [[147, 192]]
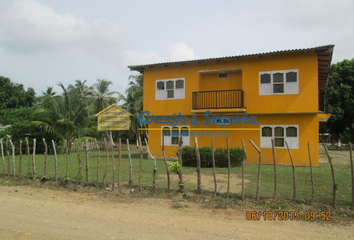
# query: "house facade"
[[257, 97]]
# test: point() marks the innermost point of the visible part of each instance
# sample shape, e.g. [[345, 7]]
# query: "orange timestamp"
[[287, 215]]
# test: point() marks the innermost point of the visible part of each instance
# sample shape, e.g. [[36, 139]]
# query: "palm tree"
[[133, 101], [83, 92], [63, 115], [102, 97]]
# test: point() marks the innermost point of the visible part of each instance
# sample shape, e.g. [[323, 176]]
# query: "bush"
[[205, 157], [236, 157], [189, 158]]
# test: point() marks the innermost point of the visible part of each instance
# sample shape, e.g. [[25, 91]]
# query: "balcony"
[[220, 99]]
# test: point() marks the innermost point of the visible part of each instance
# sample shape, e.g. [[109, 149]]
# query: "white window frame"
[[168, 139], [293, 142], [178, 93], [289, 87]]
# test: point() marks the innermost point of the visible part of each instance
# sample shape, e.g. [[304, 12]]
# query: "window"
[[170, 89], [172, 134], [278, 82], [279, 134], [222, 75]]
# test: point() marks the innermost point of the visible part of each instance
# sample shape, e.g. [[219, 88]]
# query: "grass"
[[322, 179]]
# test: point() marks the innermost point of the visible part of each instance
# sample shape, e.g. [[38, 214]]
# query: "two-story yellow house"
[[259, 97]]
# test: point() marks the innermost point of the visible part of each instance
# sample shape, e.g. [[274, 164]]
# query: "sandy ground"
[[39, 213], [208, 181]]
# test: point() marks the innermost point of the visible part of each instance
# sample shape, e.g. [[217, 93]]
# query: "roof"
[[324, 61], [113, 106]]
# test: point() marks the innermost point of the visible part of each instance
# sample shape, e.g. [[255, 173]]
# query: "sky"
[[45, 42]]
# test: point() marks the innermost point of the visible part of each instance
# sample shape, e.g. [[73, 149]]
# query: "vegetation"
[[220, 155], [340, 94], [68, 115], [133, 101]]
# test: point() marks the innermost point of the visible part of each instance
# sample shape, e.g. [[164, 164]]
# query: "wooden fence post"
[[166, 165], [228, 168], [34, 159], [214, 172], [87, 170], [180, 175], [352, 172], [98, 162], [293, 167], [79, 168], [199, 181], [2, 155], [141, 162], [243, 170], [106, 170], [130, 166], [275, 170], [67, 158], [45, 157], [335, 185], [259, 169], [55, 161], [113, 165], [29, 159], [119, 160], [8, 158], [311, 173], [13, 158], [155, 168], [20, 164]]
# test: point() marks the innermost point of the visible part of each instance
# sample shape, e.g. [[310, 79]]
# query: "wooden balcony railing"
[[218, 99]]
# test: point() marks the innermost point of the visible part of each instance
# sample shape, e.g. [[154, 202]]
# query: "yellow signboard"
[[113, 118]]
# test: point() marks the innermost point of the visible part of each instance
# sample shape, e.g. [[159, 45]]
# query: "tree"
[[133, 101], [66, 115], [102, 97], [13, 95], [20, 120], [340, 93]]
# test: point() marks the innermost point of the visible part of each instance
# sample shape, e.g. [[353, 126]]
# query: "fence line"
[[88, 145]]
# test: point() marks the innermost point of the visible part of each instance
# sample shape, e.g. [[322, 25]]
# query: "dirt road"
[[38, 213]]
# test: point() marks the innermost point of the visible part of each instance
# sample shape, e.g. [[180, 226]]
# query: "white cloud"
[[32, 26], [137, 57], [180, 52]]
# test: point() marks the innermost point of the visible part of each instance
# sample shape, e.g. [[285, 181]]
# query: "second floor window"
[[279, 82], [170, 89]]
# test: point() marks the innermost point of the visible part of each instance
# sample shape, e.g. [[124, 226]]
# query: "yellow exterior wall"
[[210, 82], [285, 109], [308, 131], [305, 101]]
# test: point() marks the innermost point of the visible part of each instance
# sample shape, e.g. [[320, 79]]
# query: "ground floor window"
[[172, 134], [280, 134]]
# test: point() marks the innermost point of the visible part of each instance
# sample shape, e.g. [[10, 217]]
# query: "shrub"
[[189, 158], [236, 157], [174, 167], [205, 157]]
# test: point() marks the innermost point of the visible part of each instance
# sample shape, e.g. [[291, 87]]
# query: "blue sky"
[[44, 42]]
